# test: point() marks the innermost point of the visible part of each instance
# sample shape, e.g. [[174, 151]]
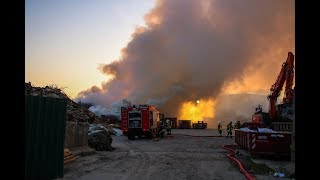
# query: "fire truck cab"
[[140, 120]]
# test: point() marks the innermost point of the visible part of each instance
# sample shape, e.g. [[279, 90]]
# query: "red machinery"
[[279, 118], [283, 111], [140, 120]]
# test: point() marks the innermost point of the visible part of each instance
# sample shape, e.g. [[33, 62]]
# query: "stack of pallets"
[[68, 156]]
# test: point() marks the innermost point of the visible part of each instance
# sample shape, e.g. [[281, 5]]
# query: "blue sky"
[[66, 40]]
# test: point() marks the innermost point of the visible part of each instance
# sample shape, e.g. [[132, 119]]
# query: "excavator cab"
[[260, 117], [256, 117]]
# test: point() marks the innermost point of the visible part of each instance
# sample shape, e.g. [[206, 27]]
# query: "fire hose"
[[242, 170], [248, 175]]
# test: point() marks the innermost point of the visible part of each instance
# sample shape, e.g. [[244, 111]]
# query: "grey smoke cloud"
[[191, 48], [99, 110], [114, 110]]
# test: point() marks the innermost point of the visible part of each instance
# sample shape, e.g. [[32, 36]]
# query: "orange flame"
[[197, 111]]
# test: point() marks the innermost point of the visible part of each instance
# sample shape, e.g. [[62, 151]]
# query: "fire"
[[197, 111]]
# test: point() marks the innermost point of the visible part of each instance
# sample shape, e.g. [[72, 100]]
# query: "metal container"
[[270, 143]]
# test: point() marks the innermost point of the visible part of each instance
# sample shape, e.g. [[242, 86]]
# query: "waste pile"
[[99, 138], [75, 112]]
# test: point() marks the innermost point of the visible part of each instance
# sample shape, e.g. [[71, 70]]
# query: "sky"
[[167, 53], [66, 40]]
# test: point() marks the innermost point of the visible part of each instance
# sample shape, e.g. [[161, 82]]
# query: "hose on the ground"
[[242, 170], [246, 174]]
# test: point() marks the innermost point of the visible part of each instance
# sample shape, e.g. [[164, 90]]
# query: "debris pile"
[[48, 91], [99, 138], [75, 112]]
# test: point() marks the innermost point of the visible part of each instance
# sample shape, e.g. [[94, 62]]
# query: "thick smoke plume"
[[198, 49]]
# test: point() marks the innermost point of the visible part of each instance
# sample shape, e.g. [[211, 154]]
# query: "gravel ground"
[[179, 156]]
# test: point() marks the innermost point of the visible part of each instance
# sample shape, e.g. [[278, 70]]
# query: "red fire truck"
[[140, 120]]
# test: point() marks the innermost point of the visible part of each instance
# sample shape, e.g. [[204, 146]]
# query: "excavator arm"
[[288, 98], [286, 75]]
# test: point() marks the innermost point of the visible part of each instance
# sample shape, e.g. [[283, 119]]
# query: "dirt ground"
[[179, 156]]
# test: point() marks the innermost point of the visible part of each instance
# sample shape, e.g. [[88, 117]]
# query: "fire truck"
[[140, 120]]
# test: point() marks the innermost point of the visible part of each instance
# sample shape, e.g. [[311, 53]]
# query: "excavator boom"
[[286, 75]]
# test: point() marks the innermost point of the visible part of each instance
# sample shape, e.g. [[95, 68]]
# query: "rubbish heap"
[[99, 137], [75, 112]]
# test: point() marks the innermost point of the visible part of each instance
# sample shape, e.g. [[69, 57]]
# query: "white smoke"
[[114, 110], [99, 110], [191, 48]]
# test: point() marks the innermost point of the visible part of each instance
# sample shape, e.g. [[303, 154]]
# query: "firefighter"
[[229, 129], [161, 129], [237, 125], [220, 128], [168, 126]]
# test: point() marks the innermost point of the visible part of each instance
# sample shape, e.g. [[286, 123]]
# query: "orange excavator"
[[282, 112], [271, 133]]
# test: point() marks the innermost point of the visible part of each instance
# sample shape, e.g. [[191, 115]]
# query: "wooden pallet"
[[68, 156]]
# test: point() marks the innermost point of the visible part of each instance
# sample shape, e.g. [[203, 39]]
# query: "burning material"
[[197, 111]]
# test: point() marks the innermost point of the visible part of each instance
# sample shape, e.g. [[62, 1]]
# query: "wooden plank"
[[72, 157], [66, 150], [67, 154], [69, 160]]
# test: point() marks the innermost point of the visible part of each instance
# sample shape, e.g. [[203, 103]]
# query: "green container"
[[45, 121]]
